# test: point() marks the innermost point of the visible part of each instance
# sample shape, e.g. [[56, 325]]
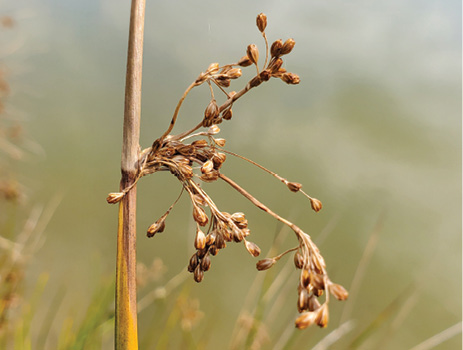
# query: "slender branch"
[[126, 298]]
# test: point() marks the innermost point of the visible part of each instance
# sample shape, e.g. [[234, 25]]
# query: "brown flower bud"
[[287, 47], [114, 197], [227, 114], [234, 73], [316, 204], [244, 61], [291, 78], [158, 226], [200, 215], [198, 274], [212, 110], [206, 263], [338, 291], [252, 248], [322, 316], [294, 186], [306, 319], [261, 22], [253, 53], [200, 239], [207, 167], [275, 49], [220, 142], [213, 68], [265, 264]]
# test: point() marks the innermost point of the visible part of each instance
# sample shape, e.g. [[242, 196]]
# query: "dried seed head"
[[207, 167], [244, 61], [316, 204], [265, 264], [198, 274], [291, 78], [275, 65], [338, 291], [213, 68], [212, 110], [200, 239], [220, 142], [234, 73], [306, 319], [323, 316], [287, 47], [200, 215], [227, 114], [261, 22], [275, 49], [114, 197], [294, 186], [252, 248], [253, 53], [158, 226]]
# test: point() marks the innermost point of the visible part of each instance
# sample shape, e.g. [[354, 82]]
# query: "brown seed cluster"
[[198, 156]]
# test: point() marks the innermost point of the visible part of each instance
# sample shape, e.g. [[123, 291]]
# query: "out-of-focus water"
[[373, 130]]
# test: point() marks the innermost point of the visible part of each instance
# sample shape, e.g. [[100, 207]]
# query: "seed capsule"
[[200, 216], [306, 319], [213, 68], [194, 261], [227, 114], [220, 142], [244, 61], [114, 197], [338, 291], [198, 274], [291, 78], [275, 65], [322, 316], [298, 260], [316, 204], [158, 226], [275, 49], [206, 263], [294, 186], [252, 248], [234, 73], [212, 110], [207, 167], [287, 47], [265, 264], [253, 53], [261, 22], [200, 143], [200, 240]]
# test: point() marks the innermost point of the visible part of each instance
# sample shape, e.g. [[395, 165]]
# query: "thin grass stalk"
[[126, 336]]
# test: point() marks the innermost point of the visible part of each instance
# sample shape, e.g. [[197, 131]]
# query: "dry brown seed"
[[194, 261], [114, 197], [261, 22], [199, 200], [220, 242], [210, 238], [210, 177], [244, 61], [305, 277], [213, 250], [227, 114], [306, 319], [200, 143], [219, 159], [253, 53], [181, 159], [206, 263], [186, 171], [212, 110], [238, 217], [207, 167], [265, 264], [213, 68], [298, 260], [200, 239], [317, 281], [294, 186], [199, 274], [237, 236], [338, 291], [234, 73], [275, 49], [252, 248], [186, 150], [213, 130], [322, 316], [224, 82], [287, 47], [290, 78], [316, 204], [200, 215], [157, 227], [220, 142]]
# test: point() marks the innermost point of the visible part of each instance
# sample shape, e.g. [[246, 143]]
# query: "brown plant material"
[[194, 156]]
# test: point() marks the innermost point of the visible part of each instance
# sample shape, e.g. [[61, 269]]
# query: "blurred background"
[[373, 130]]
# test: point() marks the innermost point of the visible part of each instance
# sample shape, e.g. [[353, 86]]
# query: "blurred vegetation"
[[374, 131]]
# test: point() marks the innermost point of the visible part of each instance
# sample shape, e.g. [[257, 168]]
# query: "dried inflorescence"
[[199, 155]]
